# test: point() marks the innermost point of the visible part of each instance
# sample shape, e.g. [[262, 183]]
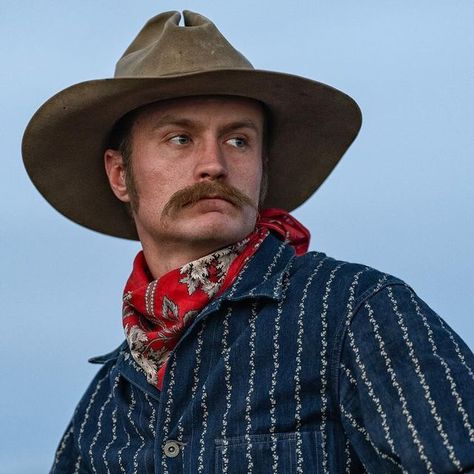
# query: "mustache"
[[192, 194]]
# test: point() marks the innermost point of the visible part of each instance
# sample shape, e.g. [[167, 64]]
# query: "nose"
[[211, 164]]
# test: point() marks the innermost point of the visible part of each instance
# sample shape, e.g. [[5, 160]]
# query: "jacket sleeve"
[[406, 387], [67, 459]]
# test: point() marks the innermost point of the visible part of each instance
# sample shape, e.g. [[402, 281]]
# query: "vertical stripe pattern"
[[422, 379], [248, 398], [99, 422], [363, 372], [167, 413], [447, 370], [395, 383], [276, 365], [202, 442], [298, 365], [111, 442], [228, 389], [252, 369], [63, 444], [324, 365], [88, 411], [367, 437], [459, 353], [227, 375]]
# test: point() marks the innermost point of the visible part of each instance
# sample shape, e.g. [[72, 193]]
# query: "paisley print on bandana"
[[156, 312], [208, 272]]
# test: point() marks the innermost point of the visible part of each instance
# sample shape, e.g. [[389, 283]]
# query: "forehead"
[[226, 108]]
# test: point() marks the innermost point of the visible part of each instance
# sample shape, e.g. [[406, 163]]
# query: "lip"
[[215, 197], [212, 197]]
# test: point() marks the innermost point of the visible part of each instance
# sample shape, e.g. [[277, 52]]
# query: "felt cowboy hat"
[[312, 124]]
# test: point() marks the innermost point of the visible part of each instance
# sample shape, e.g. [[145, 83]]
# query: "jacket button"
[[171, 448]]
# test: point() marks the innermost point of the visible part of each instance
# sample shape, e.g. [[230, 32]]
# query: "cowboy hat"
[[312, 124]]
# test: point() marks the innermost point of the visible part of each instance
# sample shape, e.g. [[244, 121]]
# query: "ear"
[[115, 170]]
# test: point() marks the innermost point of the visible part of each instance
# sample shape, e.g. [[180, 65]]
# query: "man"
[[243, 352]]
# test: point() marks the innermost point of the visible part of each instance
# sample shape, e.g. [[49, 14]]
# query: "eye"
[[180, 140], [237, 142]]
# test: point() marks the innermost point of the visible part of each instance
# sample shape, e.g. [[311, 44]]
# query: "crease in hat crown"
[[164, 48]]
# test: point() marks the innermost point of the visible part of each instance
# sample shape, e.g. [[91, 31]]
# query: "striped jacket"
[[305, 365]]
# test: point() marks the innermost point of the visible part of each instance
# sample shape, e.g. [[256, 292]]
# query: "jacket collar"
[[260, 278], [261, 275]]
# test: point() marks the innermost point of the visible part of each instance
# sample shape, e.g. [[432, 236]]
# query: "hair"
[[120, 139]]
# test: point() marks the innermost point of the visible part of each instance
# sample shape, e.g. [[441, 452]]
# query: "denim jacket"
[[305, 365]]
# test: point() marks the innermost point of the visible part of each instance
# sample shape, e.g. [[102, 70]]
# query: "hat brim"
[[312, 126]]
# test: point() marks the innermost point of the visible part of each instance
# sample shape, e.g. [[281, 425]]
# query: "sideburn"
[[132, 206]]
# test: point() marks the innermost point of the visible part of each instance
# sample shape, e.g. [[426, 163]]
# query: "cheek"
[[248, 170], [253, 180], [150, 176]]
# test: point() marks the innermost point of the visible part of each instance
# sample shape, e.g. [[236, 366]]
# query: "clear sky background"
[[401, 199]]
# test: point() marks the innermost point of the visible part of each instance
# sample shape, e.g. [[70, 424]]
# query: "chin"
[[218, 229], [220, 233]]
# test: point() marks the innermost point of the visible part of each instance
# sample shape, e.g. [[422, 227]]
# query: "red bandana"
[[156, 312]]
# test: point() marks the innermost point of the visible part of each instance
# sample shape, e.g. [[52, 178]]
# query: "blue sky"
[[401, 199]]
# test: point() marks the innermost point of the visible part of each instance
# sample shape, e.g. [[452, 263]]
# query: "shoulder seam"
[[373, 290]]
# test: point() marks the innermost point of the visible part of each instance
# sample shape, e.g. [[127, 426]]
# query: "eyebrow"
[[169, 119], [246, 123]]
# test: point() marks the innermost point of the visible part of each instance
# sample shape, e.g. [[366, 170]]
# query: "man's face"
[[179, 144]]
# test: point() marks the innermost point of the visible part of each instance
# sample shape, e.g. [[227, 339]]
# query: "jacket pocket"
[[280, 453]]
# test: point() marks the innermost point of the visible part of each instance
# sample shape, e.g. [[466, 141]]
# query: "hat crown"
[[164, 48]]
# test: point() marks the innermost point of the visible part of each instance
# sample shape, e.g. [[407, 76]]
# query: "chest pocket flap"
[[279, 453]]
